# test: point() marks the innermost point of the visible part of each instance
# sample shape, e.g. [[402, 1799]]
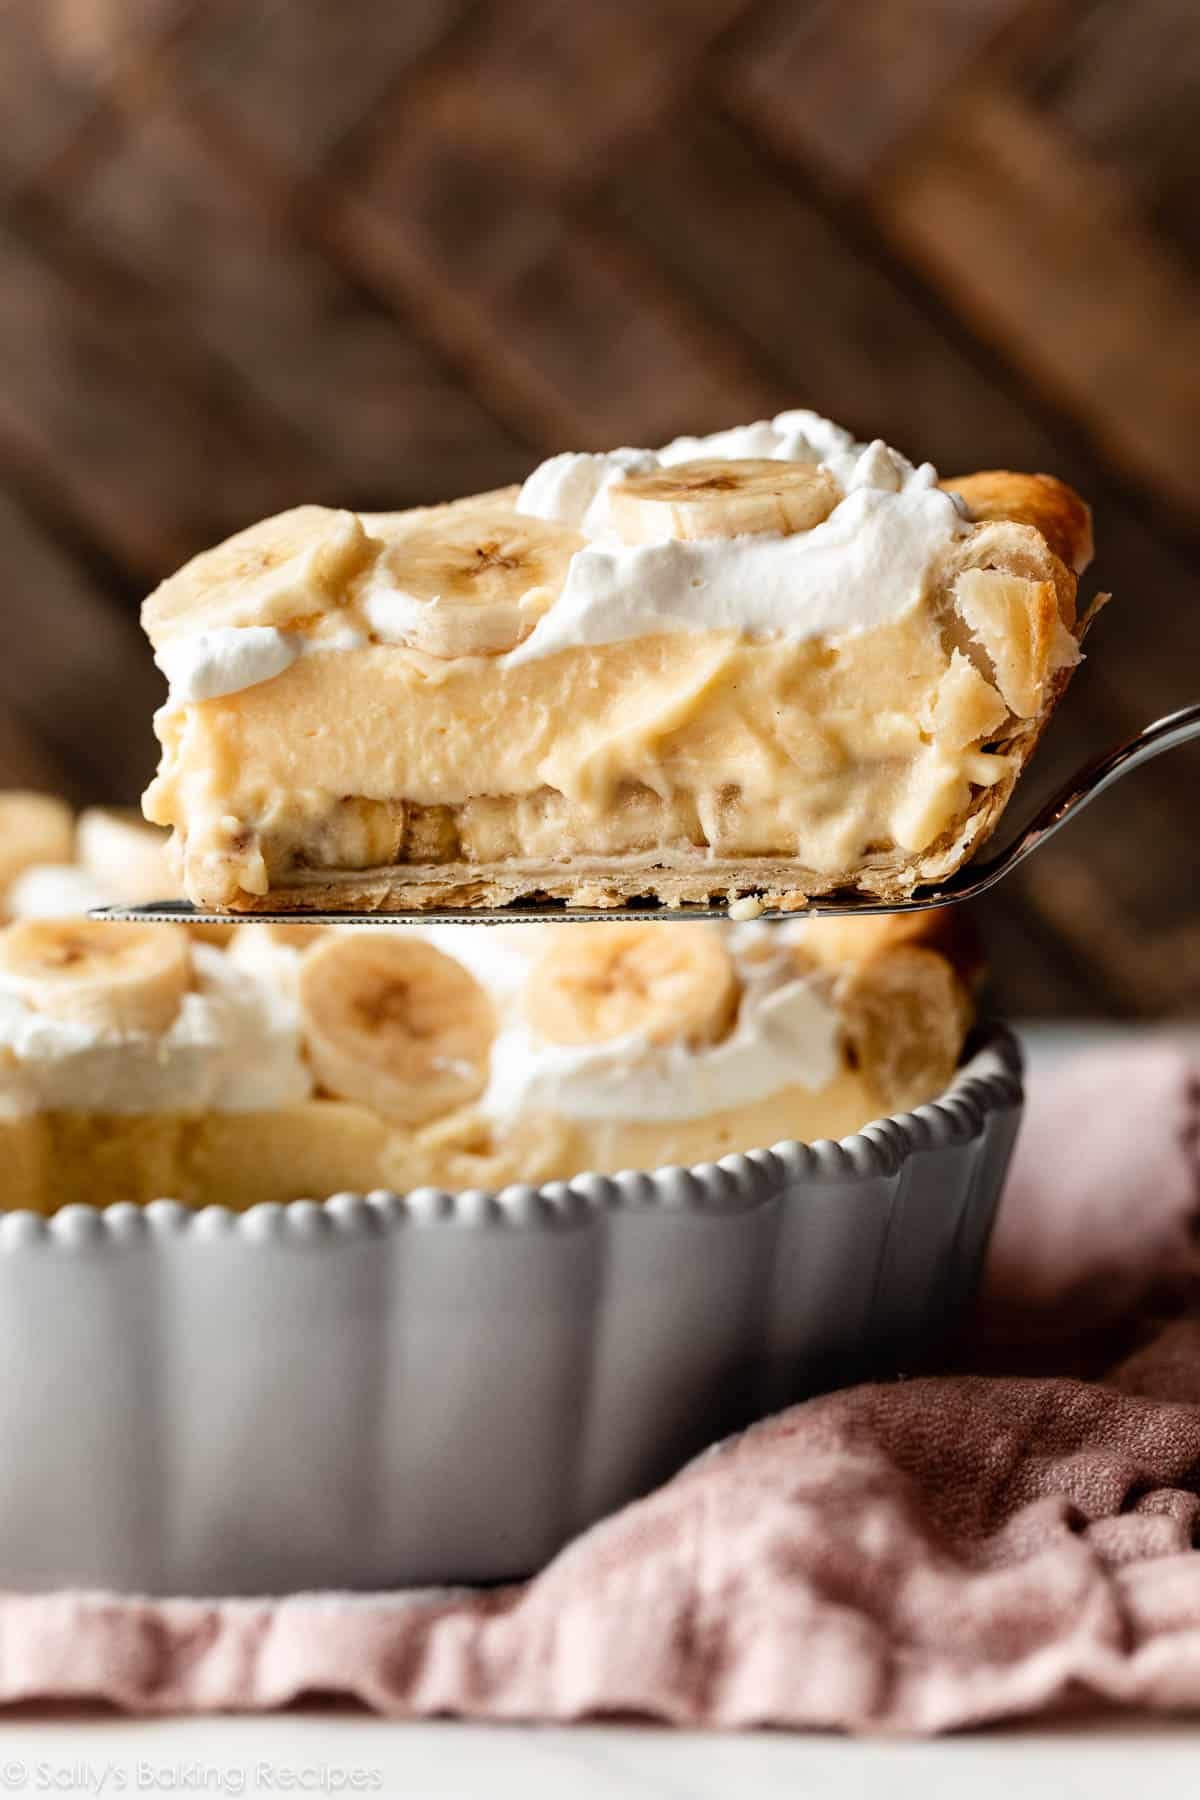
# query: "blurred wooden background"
[[376, 252]]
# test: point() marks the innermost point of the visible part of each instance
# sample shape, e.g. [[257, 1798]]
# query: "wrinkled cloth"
[[912, 1556], [1101, 1212]]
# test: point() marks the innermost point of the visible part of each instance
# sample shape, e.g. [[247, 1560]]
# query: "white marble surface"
[[297, 1752], [325, 1750]]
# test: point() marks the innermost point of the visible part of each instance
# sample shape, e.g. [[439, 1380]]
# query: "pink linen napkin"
[[912, 1557], [1101, 1214]]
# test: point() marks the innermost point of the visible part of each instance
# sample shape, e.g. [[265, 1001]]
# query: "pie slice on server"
[[772, 661]]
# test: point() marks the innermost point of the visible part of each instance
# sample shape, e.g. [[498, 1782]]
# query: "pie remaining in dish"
[[139, 1062], [771, 662]]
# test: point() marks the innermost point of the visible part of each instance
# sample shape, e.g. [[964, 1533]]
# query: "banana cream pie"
[[772, 661], [137, 1062]]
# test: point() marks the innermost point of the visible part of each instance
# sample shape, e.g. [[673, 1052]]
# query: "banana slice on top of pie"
[[772, 661]]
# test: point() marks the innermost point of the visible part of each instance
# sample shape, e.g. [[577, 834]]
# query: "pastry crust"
[[946, 930], [905, 987], [1043, 501]]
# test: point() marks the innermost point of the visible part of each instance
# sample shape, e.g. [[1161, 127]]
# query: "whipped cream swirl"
[[55, 891], [233, 1046], [867, 563], [204, 665], [786, 1035]]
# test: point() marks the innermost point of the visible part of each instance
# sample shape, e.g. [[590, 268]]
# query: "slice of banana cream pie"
[[773, 661]]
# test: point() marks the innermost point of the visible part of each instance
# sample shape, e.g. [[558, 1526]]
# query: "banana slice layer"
[[624, 980], [717, 497], [473, 579], [394, 1024], [283, 572], [113, 978]]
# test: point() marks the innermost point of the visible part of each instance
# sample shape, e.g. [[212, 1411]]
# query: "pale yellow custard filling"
[[708, 740], [323, 1147]]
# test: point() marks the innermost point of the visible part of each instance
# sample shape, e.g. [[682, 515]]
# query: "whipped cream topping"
[[499, 957], [795, 436], [786, 1035], [864, 565], [868, 562], [265, 958], [206, 664], [236, 1044], [572, 488], [233, 1046], [55, 891], [391, 614]]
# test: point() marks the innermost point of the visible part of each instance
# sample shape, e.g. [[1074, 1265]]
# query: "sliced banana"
[[718, 497], [293, 935], [34, 828], [124, 855], [283, 572], [395, 1024], [120, 978], [358, 833], [471, 579], [667, 985]]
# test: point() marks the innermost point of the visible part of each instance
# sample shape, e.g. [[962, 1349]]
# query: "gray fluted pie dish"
[[377, 1391]]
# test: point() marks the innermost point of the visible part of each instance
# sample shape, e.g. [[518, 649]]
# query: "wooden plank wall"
[[383, 251]]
